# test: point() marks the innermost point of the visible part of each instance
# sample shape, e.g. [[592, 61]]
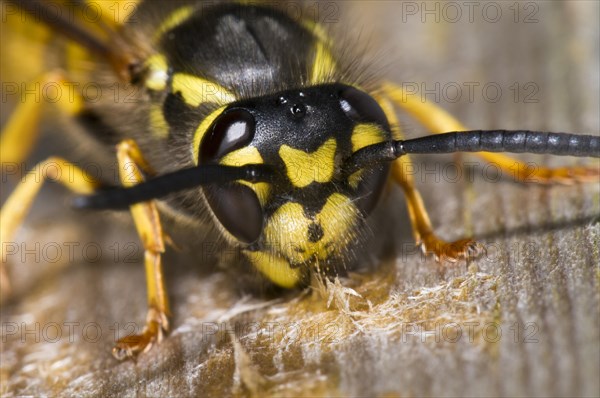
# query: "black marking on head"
[[315, 232]]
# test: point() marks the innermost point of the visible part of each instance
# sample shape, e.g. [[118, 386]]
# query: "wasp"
[[256, 123]]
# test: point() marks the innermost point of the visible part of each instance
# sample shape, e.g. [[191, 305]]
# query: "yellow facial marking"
[[158, 73], [177, 17], [196, 90], [201, 130], [363, 135], [355, 178], [366, 134], [275, 268], [242, 157], [303, 168], [287, 230]]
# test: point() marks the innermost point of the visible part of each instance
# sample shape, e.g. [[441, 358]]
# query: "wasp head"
[[312, 209]]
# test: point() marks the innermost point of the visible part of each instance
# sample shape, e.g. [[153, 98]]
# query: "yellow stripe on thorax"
[[177, 17], [303, 168], [196, 90], [323, 63]]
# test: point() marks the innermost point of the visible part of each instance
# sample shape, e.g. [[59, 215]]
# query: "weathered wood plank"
[[538, 286]]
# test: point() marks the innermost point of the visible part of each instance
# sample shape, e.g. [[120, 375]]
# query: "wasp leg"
[[438, 121], [115, 13], [17, 139], [147, 222], [422, 229], [20, 133], [18, 203], [421, 224]]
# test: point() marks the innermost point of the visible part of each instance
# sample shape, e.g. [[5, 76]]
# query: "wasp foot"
[[463, 249], [157, 325]]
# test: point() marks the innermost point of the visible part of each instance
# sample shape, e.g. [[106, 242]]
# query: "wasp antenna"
[[122, 197], [519, 141]]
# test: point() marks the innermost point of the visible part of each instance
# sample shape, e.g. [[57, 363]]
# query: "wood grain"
[[527, 312]]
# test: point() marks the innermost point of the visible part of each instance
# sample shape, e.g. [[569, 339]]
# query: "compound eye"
[[361, 107], [232, 130], [370, 189], [235, 205], [237, 208]]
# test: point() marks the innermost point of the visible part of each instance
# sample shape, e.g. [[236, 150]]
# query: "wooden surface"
[[527, 312]]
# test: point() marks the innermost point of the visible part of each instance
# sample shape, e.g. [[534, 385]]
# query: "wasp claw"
[[130, 346], [452, 252]]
